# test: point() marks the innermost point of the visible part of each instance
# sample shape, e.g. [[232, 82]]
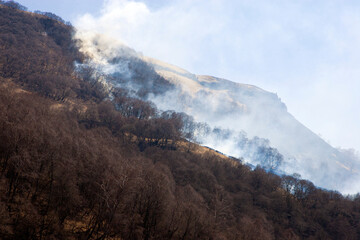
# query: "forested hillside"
[[75, 164]]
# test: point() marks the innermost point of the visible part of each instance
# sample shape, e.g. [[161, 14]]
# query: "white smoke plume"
[[220, 103]]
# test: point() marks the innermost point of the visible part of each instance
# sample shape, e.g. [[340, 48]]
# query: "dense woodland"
[[75, 165]]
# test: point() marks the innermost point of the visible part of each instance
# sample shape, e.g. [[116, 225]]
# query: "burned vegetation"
[[76, 165]]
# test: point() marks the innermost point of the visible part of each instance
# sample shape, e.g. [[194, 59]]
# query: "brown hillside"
[[75, 165]]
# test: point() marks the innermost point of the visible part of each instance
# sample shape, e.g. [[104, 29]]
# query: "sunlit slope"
[[244, 107]]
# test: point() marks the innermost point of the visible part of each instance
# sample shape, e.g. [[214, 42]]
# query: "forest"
[[75, 164]]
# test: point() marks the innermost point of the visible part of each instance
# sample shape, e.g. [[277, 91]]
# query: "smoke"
[[242, 120], [307, 52]]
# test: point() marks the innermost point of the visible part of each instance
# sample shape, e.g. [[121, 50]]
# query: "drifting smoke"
[[239, 117], [117, 66]]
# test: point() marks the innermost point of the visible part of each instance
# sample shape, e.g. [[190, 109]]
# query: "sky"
[[308, 51]]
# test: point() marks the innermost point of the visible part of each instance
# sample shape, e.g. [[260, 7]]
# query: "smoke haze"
[[242, 120], [306, 52], [165, 30]]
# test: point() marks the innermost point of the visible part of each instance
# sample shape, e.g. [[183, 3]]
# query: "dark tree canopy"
[[51, 15], [14, 5]]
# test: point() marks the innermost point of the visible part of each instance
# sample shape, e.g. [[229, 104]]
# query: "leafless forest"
[[75, 165]]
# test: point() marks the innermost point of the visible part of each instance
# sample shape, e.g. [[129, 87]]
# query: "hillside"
[[241, 119], [242, 107], [82, 160]]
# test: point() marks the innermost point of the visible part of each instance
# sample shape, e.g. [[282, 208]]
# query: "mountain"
[[242, 113], [86, 154], [243, 107]]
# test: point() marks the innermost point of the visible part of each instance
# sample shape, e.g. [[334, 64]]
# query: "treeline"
[[52, 16], [135, 76], [74, 165], [14, 5], [18, 6], [255, 150]]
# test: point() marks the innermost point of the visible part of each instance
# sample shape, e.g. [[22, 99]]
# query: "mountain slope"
[[236, 106], [235, 113], [82, 160]]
